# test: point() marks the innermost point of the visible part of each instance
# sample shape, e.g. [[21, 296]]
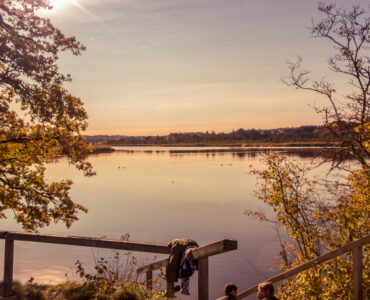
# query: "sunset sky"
[[160, 66]]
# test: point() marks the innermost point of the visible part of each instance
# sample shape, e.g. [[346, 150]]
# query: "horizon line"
[[199, 131]]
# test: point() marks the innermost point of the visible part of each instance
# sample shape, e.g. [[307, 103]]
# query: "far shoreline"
[[232, 145]]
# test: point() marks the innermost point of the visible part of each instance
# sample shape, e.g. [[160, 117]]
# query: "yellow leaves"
[[346, 52], [313, 225], [364, 132], [50, 122]]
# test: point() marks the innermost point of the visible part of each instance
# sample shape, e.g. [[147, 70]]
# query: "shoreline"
[[213, 148], [232, 145]]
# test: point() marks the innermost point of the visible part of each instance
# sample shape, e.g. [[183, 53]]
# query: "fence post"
[[203, 278], [8, 267], [170, 288], [149, 279], [357, 273]]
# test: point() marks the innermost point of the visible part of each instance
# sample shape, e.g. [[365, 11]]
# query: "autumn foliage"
[[322, 213], [39, 119], [318, 216]]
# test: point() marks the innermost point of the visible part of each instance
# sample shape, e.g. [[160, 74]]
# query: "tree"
[[321, 214], [317, 217], [347, 118], [40, 120]]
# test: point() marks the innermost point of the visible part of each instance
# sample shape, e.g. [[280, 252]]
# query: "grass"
[[82, 291], [29, 290]]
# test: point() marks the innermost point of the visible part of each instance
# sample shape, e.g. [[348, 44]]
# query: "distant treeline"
[[303, 134]]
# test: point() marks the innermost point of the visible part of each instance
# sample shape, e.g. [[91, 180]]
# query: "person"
[[230, 291], [266, 291]]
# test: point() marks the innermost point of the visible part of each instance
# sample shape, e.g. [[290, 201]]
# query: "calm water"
[[155, 197]]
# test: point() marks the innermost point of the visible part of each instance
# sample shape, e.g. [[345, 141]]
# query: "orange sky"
[[154, 67]]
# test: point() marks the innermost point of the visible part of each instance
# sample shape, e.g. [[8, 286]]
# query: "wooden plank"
[[204, 251], [8, 267], [215, 248], [313, 262], [203, 279], [153, 266], [149, 280], [357, 273], [86, 242]]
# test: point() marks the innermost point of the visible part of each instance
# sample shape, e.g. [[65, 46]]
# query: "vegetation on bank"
[[112, 278], [233, 145], [304, 135], [96, 149], [83, 291]]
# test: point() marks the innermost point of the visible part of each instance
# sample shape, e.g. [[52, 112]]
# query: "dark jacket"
[[270, 298], [177, 246]]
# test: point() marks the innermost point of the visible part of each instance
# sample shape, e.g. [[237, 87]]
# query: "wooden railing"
[[10, 237], [201, 254], [355, 247]]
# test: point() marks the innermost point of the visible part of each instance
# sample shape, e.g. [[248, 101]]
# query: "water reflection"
[[157, 195], [235, 153]]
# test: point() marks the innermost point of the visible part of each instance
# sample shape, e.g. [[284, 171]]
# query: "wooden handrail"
[[86, 242], [352, 246], [200, 252]]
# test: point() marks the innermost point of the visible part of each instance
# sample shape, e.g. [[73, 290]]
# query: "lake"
[[156, 194]]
